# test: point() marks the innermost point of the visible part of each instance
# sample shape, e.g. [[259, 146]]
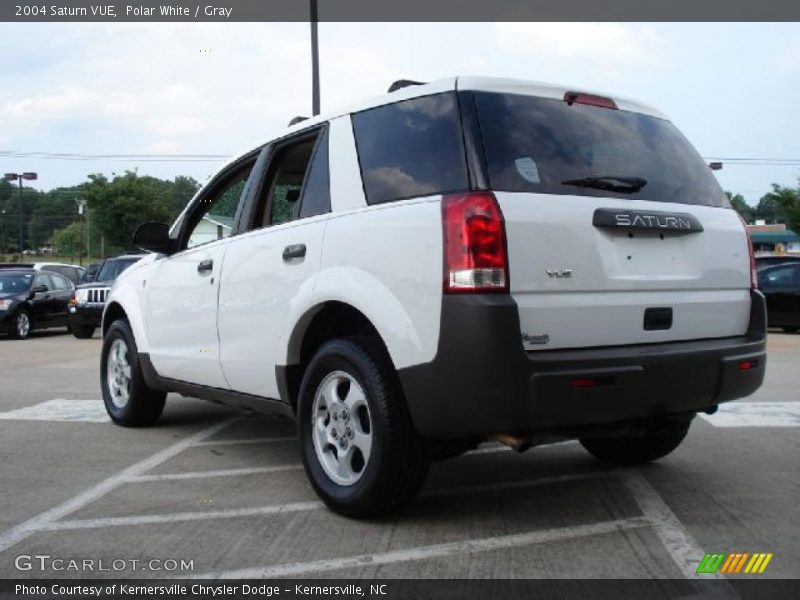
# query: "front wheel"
[[129, 401], [82, 332], [637, 449], [21, 325], [360, 449]]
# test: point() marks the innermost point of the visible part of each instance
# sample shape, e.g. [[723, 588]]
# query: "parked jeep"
[[88, 299], [464, 260]]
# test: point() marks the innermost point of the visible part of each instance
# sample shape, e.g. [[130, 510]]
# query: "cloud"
[[609, 45]]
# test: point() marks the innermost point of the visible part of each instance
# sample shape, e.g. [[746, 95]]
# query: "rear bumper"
[[482, 381]]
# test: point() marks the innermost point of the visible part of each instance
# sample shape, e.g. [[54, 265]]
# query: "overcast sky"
[[733, 89]]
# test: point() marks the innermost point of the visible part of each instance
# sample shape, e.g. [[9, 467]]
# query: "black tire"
[[82, 332], [634, 450], [144, 405], [17, 329], [397, 464], [791, 329]]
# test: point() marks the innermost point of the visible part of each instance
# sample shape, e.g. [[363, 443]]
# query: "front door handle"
[[294, 251], [205, 265]]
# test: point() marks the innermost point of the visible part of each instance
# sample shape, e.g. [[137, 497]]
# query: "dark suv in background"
[[88, 299]]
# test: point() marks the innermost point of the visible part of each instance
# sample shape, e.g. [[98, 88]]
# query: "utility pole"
[[314, 61], [20, 177], [3, 233], [81, 209]]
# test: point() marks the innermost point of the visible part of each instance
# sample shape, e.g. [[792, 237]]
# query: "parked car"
[[781, 286], [466, 260], [762, 262], [88, 299], [32, 300], [71, 272]]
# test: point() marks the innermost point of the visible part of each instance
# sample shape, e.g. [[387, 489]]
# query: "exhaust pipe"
[[516, 443]]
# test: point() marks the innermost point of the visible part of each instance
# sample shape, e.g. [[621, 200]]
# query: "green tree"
[[182, 190], [51, 211], [119, 206], [785, 201], [67, 240], [740, 206]]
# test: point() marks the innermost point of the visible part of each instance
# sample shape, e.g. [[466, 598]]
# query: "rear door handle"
[[294, 251], [205, 265]]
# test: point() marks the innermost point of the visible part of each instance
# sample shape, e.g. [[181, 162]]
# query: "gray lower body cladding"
[[482, 381]]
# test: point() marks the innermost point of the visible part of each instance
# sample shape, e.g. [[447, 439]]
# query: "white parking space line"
[[61, 409], [276, 509], [756, 414], [220, 473], [679, 543], [487, 544], [44, 520], [262, 440]]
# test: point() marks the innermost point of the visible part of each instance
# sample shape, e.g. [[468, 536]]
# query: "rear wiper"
[[612, 183]]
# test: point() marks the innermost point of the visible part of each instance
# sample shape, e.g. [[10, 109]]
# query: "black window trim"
[[261, 206]]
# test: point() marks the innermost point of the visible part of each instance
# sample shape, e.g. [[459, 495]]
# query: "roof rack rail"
[[297, 120], [403, 83]]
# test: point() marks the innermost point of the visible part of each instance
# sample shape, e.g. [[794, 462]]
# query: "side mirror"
[[40, 289], [153, 237]]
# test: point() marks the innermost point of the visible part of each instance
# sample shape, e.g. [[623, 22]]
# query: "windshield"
[[15, 283], [546, 146], [112, 268]]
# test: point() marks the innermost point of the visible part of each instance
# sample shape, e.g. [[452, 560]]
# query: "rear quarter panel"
[[386, 261]]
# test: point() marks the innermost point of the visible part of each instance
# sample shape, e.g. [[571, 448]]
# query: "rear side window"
[[411, 148], [546, 146]]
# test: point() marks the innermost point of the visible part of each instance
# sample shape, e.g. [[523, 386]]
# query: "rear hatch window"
[[547, 146]]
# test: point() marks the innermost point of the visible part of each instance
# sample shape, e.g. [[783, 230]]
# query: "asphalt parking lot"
[[225, 491]]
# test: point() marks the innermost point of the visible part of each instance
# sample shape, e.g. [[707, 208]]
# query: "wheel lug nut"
[[335, 416], [345, 415], [334, 434], [348, 432], [343, 443]]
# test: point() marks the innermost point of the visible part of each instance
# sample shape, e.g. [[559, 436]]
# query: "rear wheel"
[[637, 449], [129, 401], [21, 325], [82, 331], [360, 449]]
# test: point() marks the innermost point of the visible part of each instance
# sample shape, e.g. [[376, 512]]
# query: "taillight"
[[750, 252], [475, 258]]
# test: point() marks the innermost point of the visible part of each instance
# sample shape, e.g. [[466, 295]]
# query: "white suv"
[[453, 262]]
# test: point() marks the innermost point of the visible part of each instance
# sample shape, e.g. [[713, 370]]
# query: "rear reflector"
[[475, 257], [589, 99], [747, 365]]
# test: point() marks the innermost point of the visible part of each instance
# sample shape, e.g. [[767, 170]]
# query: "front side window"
[[411, 148], [60, 283], [216, 210], [547, 146]]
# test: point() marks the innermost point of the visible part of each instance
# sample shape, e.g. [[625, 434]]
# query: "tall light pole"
[[20, 177], [3, 233], [314, 61]]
